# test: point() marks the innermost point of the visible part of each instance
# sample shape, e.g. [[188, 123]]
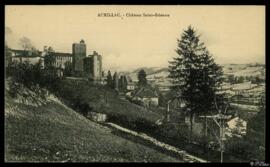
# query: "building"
[[130, 86], [92, 66], [29, 59], [22, 56], [146, 95], [97, 66], [79, 53], [57, 59], [236, 124]]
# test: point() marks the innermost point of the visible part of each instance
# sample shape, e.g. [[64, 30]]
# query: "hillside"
[[150, 71], [49, 131], [244, 70], [158, 75]]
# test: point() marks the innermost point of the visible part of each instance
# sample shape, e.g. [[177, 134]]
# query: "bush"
[[175, 131], [241, 148], [14, 88], [137, 124], [32, 75], [144, 125]]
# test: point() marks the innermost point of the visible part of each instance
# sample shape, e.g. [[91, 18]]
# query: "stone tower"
[[79, 53], [93, 66], [97, 66]]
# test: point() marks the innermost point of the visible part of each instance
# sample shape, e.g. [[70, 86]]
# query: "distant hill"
[[150, 71], [233, 69], [39, 129]]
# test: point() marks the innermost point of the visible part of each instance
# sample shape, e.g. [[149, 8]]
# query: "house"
[[29, 59], [147, 95], [130, 86], [31, 56], [236, 125], [97, 117]]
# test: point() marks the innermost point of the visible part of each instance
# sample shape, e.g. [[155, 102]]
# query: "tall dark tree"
[[142, 78], [109, 80], [195, 75], [115, 81]]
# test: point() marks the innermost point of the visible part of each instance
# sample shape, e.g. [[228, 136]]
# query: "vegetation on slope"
[[52, 132], [86, 97]]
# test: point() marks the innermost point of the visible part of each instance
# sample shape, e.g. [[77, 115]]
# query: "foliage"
[[109, 80], [122, 83], [252, 145], [31, 75], [142, 78], [7, 56], [240, 147], [194, 73], [68, 71], [25, 43], [55, 133], [115, 81], [174, 131]]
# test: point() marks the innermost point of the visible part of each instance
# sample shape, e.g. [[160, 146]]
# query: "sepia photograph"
[[135, 83]]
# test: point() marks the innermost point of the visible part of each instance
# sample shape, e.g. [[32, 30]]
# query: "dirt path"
[[186, 157]]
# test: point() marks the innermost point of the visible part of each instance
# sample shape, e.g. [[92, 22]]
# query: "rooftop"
[[146, 92], [61, 54]]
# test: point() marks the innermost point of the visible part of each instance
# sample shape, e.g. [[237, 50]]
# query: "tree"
[[68, 69], [257, 80], [142, 78], [8, 57], [115, 81], [240, 79], [256, 127], [50, 49], [195, 75], [109, 80], [25, 43], [231, 79], [122, 83]]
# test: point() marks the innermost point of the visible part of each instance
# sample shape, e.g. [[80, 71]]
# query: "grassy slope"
[[54, 132], [94, 95]]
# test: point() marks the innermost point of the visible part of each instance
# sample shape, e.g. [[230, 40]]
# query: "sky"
[[232, 34]]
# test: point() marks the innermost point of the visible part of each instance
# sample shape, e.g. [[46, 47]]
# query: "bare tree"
[[25, 43]]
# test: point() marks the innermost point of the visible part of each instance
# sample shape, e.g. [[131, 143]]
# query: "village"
[[245, 95]]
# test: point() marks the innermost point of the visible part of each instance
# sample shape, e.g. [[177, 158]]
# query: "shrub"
[[241, 148], [175, 131], [14, 88]]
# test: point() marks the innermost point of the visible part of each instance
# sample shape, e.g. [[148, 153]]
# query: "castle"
[[90, 65], [82, 65]]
